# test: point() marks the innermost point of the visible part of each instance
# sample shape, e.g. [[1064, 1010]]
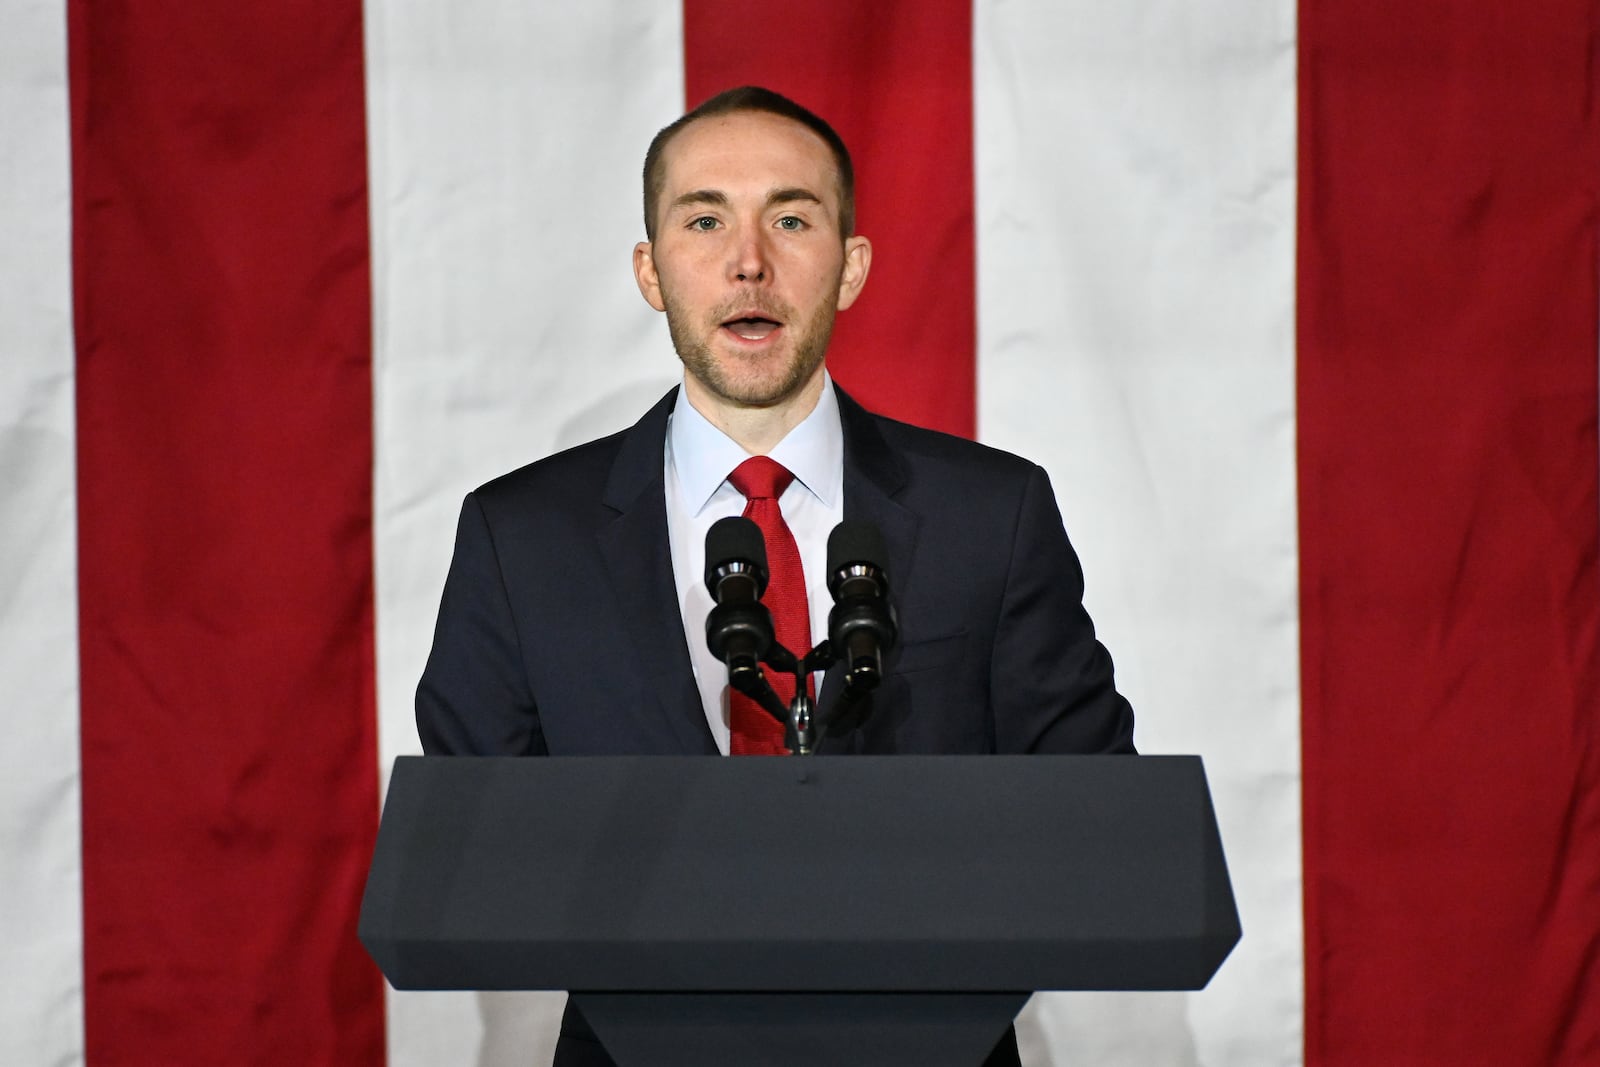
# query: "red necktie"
[[753, 732]]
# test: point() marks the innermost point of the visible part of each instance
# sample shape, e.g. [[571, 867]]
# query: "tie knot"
[[759, 477]]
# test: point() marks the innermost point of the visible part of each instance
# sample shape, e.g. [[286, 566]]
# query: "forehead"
[[755, 148]]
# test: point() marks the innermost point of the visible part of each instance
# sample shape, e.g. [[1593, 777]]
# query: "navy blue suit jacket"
[[559, 631]]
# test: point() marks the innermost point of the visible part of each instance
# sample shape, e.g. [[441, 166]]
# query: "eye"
[[791, 223], [703, 223]]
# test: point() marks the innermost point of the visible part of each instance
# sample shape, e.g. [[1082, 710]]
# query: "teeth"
[[752, 329]]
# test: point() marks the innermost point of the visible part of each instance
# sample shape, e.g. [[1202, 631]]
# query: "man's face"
[[748, 262]]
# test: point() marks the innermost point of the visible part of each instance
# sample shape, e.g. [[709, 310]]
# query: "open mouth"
[[752, 327]]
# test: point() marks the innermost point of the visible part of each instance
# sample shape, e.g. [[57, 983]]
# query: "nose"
[[750, 262]]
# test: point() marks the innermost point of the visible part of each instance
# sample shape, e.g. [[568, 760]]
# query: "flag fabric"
[[1300, 309]]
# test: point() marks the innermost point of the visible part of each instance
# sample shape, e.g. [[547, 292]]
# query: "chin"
[[772, 387], [746, 382], [756, 393]]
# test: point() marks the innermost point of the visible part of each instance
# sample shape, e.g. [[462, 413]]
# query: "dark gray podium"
[[803, 910]]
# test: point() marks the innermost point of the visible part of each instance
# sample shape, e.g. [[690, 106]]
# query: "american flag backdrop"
[[1298, 306]]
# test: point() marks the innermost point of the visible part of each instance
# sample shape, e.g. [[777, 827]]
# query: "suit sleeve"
[[1052, 683], [474, 698]]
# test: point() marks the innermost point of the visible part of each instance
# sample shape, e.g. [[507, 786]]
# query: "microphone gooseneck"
[[739, 631]]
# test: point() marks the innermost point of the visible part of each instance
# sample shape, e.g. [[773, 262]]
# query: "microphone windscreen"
[[852, 543], [735, 539]]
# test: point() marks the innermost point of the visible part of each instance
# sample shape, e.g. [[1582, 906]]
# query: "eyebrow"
[[717, 198], [792, 194], [701, 196]]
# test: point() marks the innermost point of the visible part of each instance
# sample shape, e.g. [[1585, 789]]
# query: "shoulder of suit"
[[581, 465], [948, 450], [583, 470]]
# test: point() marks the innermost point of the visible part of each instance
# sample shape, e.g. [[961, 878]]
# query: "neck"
[[756, 429]]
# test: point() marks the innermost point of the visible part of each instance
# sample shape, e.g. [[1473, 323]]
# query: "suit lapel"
[[638, 555], [873, 475]]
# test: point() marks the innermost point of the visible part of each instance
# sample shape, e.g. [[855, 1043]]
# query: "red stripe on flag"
[[225, 570], [896, 82], [1449, 177]]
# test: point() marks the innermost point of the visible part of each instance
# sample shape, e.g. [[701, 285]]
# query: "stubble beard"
[[742, 380]]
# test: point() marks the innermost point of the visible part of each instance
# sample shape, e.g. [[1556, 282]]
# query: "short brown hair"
[[750, 98]]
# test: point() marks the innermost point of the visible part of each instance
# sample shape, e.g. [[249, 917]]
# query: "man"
[[573, 618]]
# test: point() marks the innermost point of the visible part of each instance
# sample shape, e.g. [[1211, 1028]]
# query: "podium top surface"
[[893, 873]]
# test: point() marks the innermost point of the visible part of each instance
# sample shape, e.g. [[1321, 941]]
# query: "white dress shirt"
[[699, 458]]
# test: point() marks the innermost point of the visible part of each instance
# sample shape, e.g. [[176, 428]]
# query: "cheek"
[[813, 270], [680, 281], [697, 273], [822, 284]]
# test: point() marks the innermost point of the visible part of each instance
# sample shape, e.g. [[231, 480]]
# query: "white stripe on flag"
[[1135, 223], [41, 983], [505, 144]]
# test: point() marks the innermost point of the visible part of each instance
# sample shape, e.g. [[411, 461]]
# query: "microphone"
[[861, 626], [739, 628]]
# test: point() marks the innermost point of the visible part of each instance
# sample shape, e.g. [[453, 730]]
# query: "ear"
[[857, 261], [644, 272]]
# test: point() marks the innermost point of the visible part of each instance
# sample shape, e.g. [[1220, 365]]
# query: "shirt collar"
[[703, 456]]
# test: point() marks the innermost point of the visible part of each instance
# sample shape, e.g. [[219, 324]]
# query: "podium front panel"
[[848, 873]]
